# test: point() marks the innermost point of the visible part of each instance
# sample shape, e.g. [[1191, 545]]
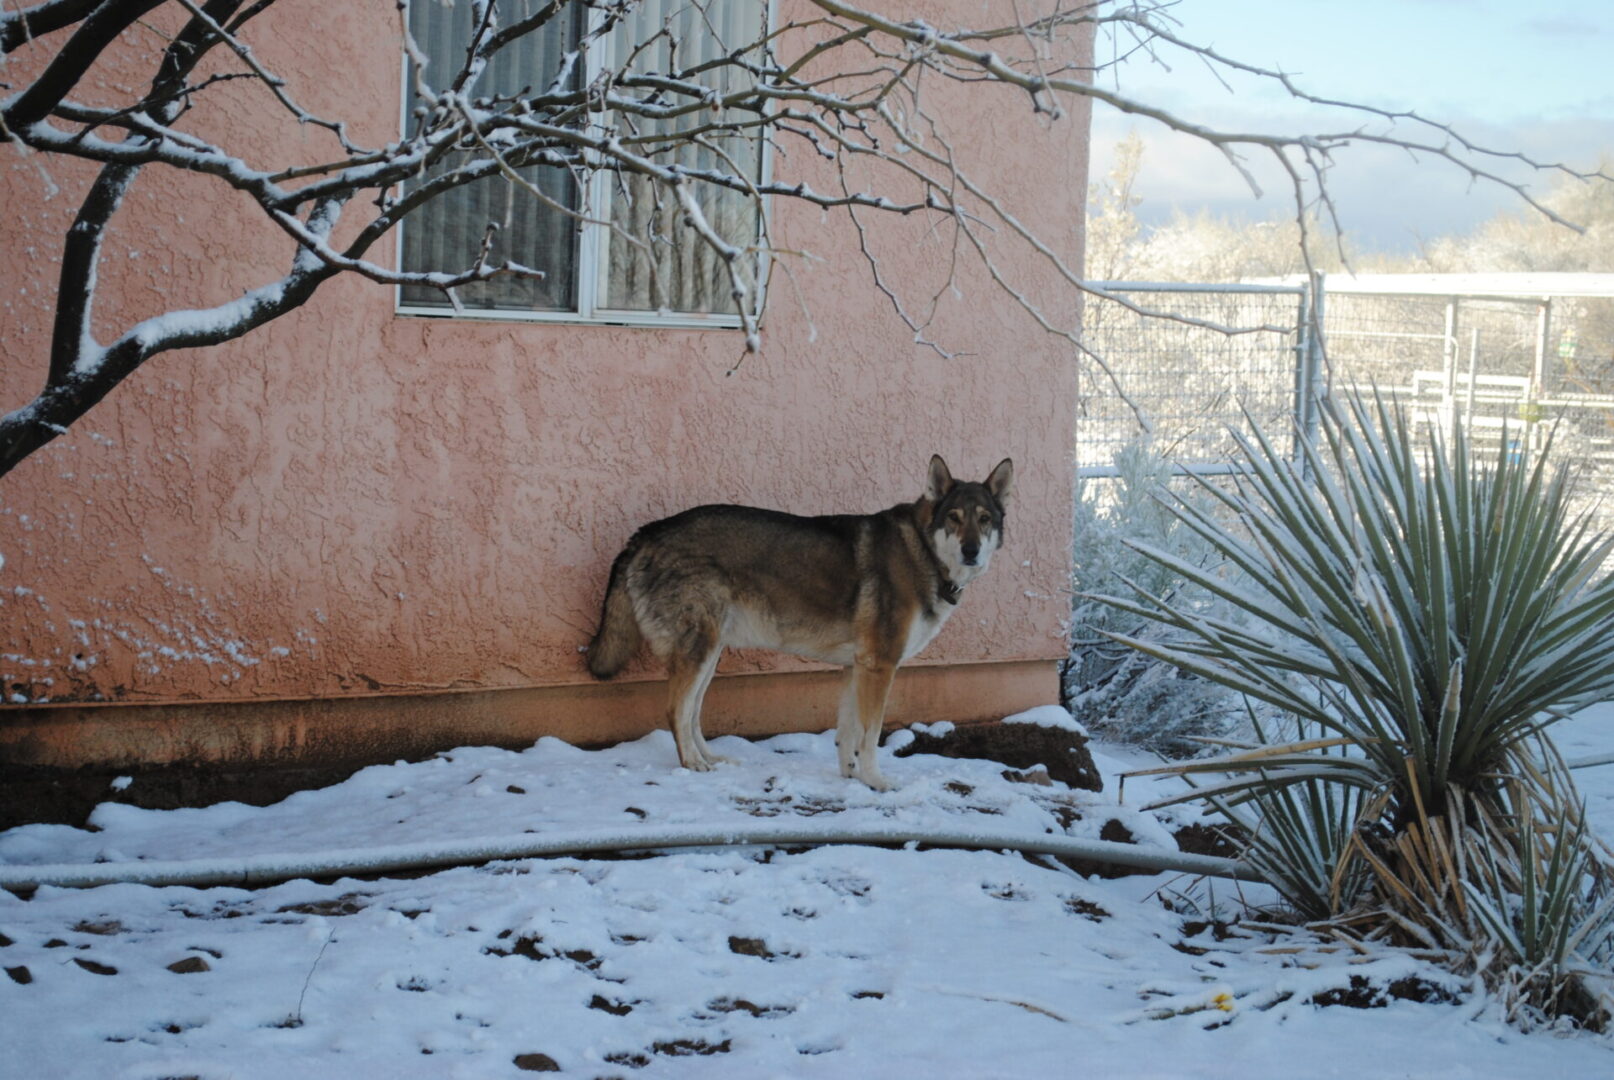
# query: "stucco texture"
[[349, 502]]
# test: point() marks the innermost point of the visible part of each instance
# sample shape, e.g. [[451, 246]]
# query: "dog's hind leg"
[[857, 731], [689, 673], [705, 680], [848, 732]]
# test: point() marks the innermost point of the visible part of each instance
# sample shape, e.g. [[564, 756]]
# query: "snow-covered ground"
[[829, 962]]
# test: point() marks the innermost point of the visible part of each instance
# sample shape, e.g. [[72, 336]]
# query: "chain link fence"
[[1163, 367]]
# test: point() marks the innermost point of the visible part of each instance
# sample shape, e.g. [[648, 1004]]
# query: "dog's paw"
[[877, 781], [704, 761]]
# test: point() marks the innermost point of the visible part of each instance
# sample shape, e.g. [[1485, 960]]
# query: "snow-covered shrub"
[[1113, 689], [1424, 616]]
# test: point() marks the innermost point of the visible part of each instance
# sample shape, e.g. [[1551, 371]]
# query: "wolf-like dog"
[[866, 591]]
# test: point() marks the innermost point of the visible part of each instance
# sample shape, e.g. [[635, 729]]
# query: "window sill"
[[648, 320]]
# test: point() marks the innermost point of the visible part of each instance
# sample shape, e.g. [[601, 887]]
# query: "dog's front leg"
[[862, 713]]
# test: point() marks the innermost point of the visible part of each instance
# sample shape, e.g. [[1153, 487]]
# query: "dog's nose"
[[970, 552]]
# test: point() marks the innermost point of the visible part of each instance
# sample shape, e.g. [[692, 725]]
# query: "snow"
[[1048, 716], [832, 961]]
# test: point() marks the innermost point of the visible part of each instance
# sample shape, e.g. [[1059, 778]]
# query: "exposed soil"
[[41, 794], [1062, 753], [1220, 840], [1363, 994]]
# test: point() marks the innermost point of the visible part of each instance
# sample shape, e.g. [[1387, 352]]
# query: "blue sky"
[[1531, 75]]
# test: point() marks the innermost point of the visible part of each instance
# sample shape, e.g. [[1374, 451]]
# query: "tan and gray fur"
[[865, 591]]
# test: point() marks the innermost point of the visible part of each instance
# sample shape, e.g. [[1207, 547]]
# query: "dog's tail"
[[618, 637]]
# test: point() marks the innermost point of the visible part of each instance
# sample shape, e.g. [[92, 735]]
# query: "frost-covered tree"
[[1513, 241], [1115, 236], [1200, 247], [670, 101]]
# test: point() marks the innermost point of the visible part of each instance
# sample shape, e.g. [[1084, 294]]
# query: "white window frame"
[[592, 242]]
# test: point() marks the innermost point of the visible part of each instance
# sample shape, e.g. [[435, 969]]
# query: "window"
[[633, 259]]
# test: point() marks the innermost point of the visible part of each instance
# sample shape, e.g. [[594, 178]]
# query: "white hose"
[[427, 855]]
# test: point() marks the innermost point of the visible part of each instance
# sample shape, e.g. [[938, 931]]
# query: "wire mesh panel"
[[1183, 371], [1512, 371], [1384, 341], [1172, 368]]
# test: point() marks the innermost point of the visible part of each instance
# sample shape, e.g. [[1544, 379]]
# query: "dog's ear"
[[940, 482], [1001, 482]]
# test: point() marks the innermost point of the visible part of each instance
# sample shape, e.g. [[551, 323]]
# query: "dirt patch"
[[1085, 908], [95, 967], [40, 794], [1220, 840], [104, 928], [1365, 994], [686, 1047], [629, 1058], [526, 946], [1116, 833], [729, 1005], [750, 946], [1060, 753], [350, 904], [191, 965], [536, 1063]]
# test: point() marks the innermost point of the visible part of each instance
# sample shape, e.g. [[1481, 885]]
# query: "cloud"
[[1564, 26], [1388, 199]]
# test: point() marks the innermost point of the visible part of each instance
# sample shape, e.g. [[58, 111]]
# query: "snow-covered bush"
[[1424, 616], [1109, 687]]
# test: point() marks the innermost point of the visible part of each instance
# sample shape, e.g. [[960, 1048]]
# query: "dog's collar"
[[946, 588]]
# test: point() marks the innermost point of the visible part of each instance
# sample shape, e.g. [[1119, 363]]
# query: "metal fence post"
[[1308, 367], [1448, 364], [1538, 376]]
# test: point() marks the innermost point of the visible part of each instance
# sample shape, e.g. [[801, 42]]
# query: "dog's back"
[[739, 575]]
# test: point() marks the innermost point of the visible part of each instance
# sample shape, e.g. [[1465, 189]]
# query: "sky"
[[1530, 75]]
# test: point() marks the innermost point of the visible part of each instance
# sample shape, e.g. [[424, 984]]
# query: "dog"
[[864, 591]]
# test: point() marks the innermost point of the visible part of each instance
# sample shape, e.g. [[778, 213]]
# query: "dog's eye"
[[986, 519], [956, 516]]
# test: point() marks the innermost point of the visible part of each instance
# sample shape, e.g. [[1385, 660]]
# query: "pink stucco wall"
[[348, 501]]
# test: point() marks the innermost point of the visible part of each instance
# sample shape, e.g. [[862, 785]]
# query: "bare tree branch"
[[17, 27]]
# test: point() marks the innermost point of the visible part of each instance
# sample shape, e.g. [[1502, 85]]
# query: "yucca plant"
[[1422, 617], [1298, 835], [1543, 893], [1417, 607]]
